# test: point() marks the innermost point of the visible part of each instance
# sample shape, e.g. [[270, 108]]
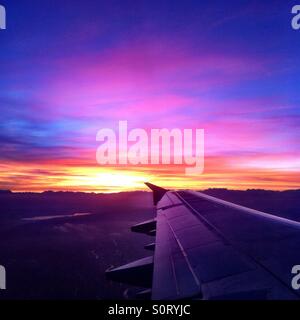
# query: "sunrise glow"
[[103, 64]]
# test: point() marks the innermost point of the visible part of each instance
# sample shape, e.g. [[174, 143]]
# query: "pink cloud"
[[140, 76]]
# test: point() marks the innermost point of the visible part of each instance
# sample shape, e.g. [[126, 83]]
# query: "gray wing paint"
[[207, 248]]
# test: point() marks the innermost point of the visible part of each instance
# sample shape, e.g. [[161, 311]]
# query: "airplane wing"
[[207, 248]]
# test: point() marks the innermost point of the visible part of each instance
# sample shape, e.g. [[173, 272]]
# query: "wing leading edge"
[[207, 248]]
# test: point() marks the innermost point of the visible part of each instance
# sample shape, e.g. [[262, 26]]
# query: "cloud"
[[157, 68]]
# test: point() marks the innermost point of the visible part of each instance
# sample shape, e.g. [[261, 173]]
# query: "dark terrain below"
[[50, 253]]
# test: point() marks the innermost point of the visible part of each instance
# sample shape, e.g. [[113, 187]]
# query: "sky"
[[69, 68]]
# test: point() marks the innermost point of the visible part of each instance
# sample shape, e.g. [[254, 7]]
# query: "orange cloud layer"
[[220, 172]]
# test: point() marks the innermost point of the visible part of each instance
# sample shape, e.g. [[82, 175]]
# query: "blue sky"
[[70, 68]]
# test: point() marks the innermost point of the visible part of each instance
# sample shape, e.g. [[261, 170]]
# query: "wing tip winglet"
[[158, 192]]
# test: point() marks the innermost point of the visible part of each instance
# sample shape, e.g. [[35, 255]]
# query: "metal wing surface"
[[207, 248]]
